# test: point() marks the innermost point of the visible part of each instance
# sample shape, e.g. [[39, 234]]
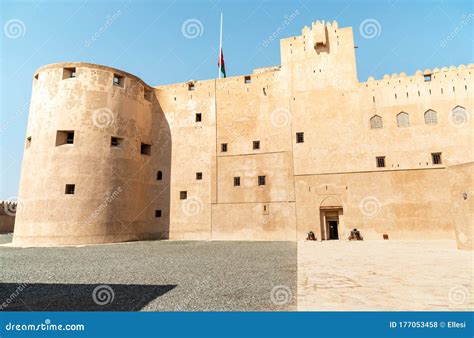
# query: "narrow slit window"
[[183, 195], [261, 180], [70, 189], [436, 158], [300, 137], [145, 149], [256, 145], [237, 181], [380, 161]]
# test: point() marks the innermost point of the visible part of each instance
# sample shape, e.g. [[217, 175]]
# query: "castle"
[[272, 155]]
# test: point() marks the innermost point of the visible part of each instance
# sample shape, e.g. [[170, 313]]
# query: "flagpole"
[[220, 51]]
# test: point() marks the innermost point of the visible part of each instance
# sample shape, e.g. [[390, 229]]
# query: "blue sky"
[[146, 38]]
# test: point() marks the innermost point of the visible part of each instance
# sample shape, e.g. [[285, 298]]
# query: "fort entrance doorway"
[[333, 231]]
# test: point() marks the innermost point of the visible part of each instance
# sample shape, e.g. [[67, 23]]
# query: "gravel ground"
[[150, 276]]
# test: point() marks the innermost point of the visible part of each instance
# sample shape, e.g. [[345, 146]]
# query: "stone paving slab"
[[384, 275]]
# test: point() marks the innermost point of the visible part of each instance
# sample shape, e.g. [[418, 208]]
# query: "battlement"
[[419, 73], [8, 208], [319, 33]]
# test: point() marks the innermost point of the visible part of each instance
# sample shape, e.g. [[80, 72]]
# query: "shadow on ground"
[[78, 297]]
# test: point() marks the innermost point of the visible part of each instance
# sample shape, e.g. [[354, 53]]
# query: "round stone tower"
[[96, 137]]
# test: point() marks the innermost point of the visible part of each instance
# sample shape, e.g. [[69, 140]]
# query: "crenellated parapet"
[[7, 216], [425, 73]]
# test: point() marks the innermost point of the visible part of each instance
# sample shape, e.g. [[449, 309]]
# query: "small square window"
[[248, 79], [70, 189], [261, 180], [119, 80], [198, 117], [157, 213], [191, 86], [64, 137], [145, 149], [427, 77], [116, 141], [299, 137], [224, 147], [183, 195], [380, 160], [198, 176], [28, 141], [256, 145], [70, 137], [436, 158], [237, 181], [69, 73], [147, 94]]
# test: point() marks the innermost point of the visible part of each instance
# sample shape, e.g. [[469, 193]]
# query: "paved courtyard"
[[238, 276], [384, 275], [150, 276]]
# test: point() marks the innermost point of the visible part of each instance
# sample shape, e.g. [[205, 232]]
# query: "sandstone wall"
[[461, 181]]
